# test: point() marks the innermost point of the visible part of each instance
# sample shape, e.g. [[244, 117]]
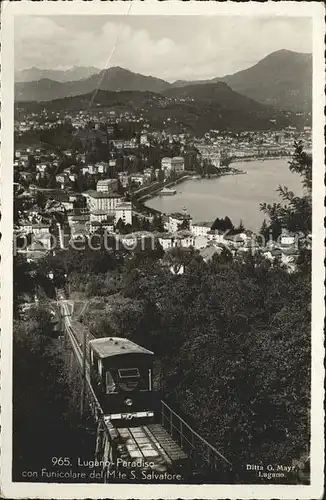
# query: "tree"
[[223, 224], [301, 163], [157, 224], [296, 214], [120, 188], [265, 231], [184, 225], [120, 226], [31, 165], [161, 175], [42, 400], [43, 320], [241, 227], [80, 203], [23, 281]]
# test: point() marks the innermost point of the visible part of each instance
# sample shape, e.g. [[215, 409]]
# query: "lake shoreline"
[[236, 197], [188, 177]]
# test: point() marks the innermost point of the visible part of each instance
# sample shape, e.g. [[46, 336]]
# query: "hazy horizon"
[[100, 69], [195, 48]]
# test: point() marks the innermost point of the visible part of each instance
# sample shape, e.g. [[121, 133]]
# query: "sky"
[[168, 47]]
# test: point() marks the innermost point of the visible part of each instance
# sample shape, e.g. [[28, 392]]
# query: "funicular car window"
[[110, 383], [128, 372]]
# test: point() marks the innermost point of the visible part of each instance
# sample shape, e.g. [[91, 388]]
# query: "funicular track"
[[170, 442]]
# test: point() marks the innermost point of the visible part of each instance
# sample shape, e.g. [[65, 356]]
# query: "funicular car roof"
[[116, 346]]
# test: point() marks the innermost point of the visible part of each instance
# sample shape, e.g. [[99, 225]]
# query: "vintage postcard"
[[162, 277]]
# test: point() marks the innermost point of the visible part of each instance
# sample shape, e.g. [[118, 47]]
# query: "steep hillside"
[[283, 79], [195, 109]]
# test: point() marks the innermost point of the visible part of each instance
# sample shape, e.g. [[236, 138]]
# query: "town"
[[114, 164]]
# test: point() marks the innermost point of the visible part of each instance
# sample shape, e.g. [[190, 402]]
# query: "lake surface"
[[237, 196]]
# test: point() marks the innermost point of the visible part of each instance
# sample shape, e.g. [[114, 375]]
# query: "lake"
[[237, 196]]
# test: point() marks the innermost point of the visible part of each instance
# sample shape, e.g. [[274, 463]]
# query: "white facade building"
[[184, 239], [178, 218], [138, 178], [175, 164], [98, 215], [166, 241], [201, 228], [107, 185], [103, 201]]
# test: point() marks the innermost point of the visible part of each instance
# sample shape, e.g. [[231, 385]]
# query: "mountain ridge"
[[35, 74], [282, 79], [193, 109]]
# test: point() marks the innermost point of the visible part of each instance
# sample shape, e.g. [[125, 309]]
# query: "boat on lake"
[[168, 192]]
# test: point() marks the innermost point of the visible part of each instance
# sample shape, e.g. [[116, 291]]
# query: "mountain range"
[[192, 109], [282, 79], [69, 75]]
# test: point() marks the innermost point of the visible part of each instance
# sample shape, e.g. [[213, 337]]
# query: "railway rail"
[[167, 445], [136, 442]]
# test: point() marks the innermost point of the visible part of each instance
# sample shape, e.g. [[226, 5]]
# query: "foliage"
[[217, 327], [296, 214], [44, 419], [184, 225]]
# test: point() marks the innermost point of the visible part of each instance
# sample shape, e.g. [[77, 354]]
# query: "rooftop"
[[100, 194], [116, 346]]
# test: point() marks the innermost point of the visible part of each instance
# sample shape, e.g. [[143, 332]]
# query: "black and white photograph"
[[162, 250]]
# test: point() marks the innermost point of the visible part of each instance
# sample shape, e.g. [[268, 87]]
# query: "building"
[[184, 239], [108, 224], [72, 177], [98, 215], [148, 173], [138, 239], [165, 240], [175, 164], [124, 179], [201, 228], [125, 144], [62, 179], [67, 204], [41, 234], [41, 167], [138, 179], [210, 153], [107, 185], [175, 220], [78, 223], [144, 139], [123, 211], [103, 201], [102, 167], [287, 238], [90, 169]]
